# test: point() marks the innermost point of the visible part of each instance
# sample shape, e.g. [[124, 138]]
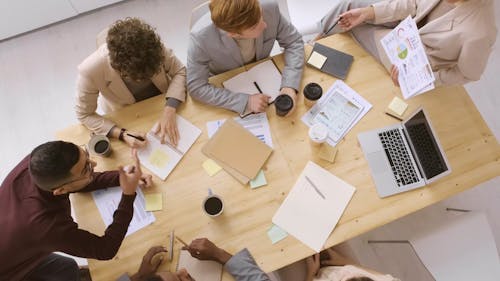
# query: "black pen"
[[330, 29], [136, 137], [257, 86]]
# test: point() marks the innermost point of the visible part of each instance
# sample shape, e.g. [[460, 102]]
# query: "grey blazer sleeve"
[[197, 81], [290, 39], [242, 267]]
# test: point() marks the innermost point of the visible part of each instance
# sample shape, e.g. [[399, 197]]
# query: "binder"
[[337, 63]]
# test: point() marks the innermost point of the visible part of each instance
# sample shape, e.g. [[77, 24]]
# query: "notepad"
[[154, 201], [259, 180], [398, 106], [314, 206], [266, 75], [330, 61], [200, 270], [160, 158], [237, 151], [211, 167]]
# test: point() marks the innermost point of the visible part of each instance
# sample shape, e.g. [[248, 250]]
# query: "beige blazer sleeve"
[[176, 76]]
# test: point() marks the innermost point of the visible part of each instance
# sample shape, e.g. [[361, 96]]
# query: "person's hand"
[[133, 139], [395, 75], [312, 263], [204, 249], [290, 92], [148, 264], [257, 103], [167, 129], [355, 17], [130, 175], [146, 181], [334, 259]]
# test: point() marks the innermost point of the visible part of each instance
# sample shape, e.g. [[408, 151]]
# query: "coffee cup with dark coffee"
[[99, 145], [283, 104], [312, 93], [213, 204]]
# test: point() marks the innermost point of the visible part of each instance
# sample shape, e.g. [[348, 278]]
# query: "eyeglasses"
[[87, 169]]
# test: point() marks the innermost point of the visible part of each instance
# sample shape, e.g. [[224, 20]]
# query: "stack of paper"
[[200, 270], [314, 206], [160, 158], [107, 201], [406, 51], [264, 77], [237, 151]]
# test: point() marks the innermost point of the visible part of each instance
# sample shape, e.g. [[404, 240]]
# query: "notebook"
[[314, 206], [161, 159], [264, 77], [404, 156], [198, 269], [236, 150], [331, 61]]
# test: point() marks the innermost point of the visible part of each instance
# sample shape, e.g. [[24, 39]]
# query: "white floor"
[[37, 86]]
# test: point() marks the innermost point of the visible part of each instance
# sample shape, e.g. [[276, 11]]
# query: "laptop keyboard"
[[399, 158]]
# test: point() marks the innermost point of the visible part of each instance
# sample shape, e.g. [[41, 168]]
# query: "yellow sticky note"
[[317, 60], [398, 106], [328, 153], [154, 201], [211, 167], [259, 180], [158, 158]]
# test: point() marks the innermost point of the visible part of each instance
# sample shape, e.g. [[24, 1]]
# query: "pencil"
[[315, 188], [180, 240], [394, 116]]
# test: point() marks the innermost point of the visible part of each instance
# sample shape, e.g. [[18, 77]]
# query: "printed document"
[[339, 110], [257, 124], [160, 158], [314, 206], [406, 51], [264, 76], [107, 200]]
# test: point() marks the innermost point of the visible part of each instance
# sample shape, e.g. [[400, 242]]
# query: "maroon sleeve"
[[103, 180], [81, 243]]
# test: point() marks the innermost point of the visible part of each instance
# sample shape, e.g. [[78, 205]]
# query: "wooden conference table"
[[471, 148]]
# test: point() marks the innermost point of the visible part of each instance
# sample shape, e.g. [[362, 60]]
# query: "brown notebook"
[[236, 150]]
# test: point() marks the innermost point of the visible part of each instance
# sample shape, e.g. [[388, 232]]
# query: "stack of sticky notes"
[[317, 60], [397, 106], [328, 153], [154, 201], [259, 180], [211, 167]]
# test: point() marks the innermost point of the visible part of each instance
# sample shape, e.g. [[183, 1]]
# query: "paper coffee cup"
[[99, 145], [318, 133]]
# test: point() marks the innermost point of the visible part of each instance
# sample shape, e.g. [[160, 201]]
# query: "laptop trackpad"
[[378, 162]]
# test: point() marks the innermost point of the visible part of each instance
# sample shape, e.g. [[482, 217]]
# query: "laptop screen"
[[426, 148]]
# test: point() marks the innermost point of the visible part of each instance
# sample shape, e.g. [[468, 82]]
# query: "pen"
[[171, 246], [315, 188], [180, 240], [394, 116], [335, 24], [257, 86], [136, 137]]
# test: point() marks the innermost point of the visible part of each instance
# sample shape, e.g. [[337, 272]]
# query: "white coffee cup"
[[318, 133], [99, 145], [213, 204]]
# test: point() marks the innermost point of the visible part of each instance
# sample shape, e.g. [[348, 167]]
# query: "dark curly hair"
[[135, 50]]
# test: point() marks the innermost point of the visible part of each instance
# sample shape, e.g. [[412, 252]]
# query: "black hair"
[[51, 162]]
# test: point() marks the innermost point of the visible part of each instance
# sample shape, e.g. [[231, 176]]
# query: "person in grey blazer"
[[241, 266], [241, 32]]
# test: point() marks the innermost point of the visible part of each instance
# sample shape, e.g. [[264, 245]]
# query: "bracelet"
[[122, 131]]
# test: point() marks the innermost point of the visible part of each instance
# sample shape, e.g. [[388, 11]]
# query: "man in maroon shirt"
[[36, 212]]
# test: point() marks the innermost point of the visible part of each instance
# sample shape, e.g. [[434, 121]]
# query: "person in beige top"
[[132, 65], [458, 35], [331, 266]]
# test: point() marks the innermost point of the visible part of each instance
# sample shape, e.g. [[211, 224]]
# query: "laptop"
[[404, 156]]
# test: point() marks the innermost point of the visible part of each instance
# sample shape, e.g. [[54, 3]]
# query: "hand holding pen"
[[134, 139]]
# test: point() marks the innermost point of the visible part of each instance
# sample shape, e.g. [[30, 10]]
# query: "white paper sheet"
[[161, 159], [345, 117], [310, 214], [405, 50], [265, 74], [257, 124], [107, 201]]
